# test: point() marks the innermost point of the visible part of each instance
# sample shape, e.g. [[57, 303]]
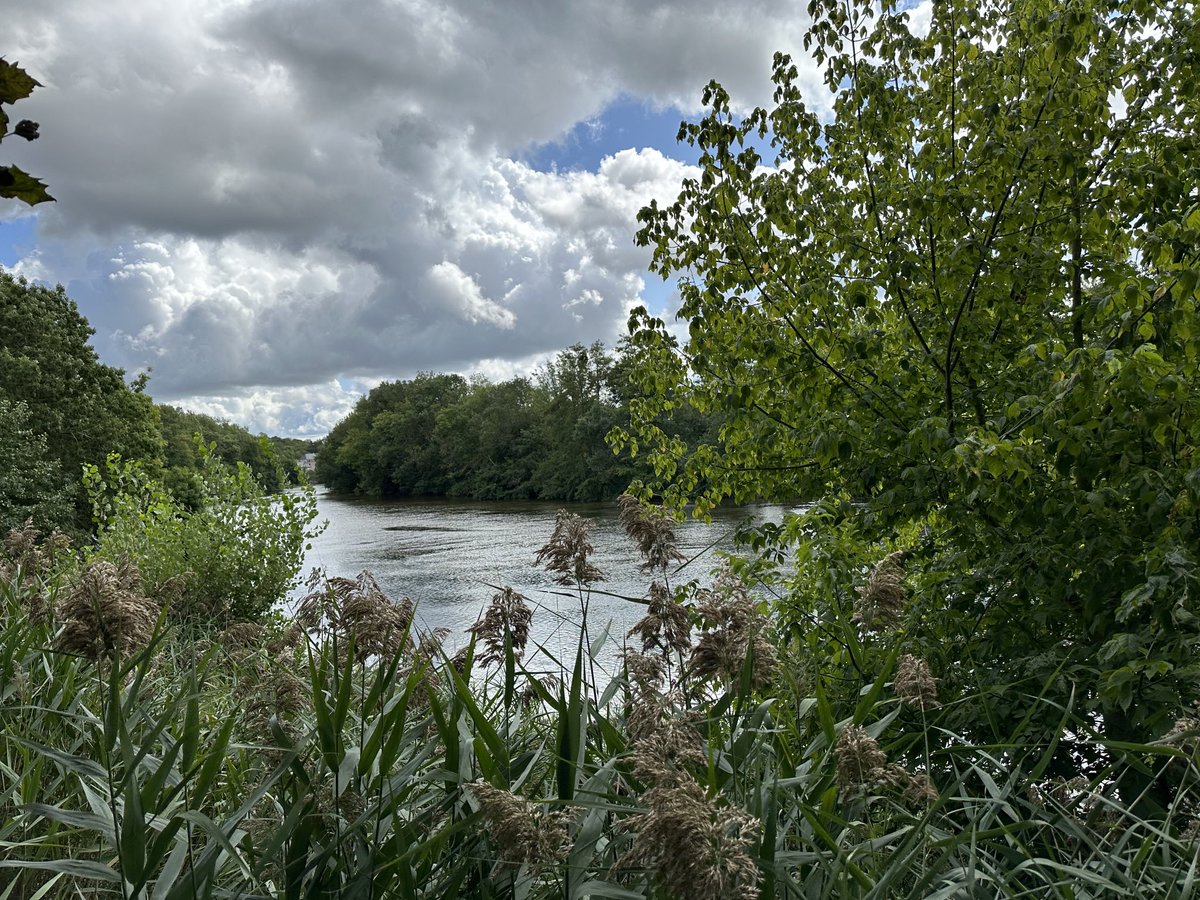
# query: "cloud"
[[258, 197], [454, 288]]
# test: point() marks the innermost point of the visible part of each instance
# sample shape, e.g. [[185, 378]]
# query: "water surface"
[[451, 556]]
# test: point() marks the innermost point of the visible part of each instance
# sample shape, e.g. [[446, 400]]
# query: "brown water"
[[451, 556]]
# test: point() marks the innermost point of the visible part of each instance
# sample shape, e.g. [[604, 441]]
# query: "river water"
[[450, 556]]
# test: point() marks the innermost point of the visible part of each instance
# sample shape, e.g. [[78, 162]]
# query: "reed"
[[347, 755]]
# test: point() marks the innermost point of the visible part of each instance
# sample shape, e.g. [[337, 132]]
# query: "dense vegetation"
[[519, 440], [962, 313], [969, 301], [62, 409]]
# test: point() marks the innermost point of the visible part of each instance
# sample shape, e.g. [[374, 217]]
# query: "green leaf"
[[15, 82], [18, 185], [77, 868]]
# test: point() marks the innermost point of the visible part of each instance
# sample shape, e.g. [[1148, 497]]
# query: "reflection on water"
[[450, 557]]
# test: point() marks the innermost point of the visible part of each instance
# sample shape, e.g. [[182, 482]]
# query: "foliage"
[[16, 84], [82, 408], [522, 439], [231, 558], [967, 301], [31, 485], [281, 762], [231, 443]]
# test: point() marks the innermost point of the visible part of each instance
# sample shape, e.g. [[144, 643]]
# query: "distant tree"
[[15, 84], [82, 408], [489, 441], [387, 446], [232, 444]]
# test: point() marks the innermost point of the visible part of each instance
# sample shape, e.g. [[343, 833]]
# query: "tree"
[[15, 84], [967, 299], [82, 408], [31, 485]]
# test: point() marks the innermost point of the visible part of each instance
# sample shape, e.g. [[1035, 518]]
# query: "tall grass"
[[343, 754]]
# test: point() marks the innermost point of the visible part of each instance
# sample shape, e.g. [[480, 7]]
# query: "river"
[[450, 556]]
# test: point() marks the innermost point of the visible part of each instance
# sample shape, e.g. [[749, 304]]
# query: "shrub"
[[231, 558]]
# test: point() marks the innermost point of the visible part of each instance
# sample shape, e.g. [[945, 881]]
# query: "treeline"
[[522, 439], [62, 409]]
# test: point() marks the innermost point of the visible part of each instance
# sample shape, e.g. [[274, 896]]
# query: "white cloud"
[[259, 196], [451, 286]]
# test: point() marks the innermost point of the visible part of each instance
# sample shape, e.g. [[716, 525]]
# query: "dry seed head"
[[356, 607], [860, 760], [666, 625], [919, 790], [694, 847], [509, 614], [914, 683], [523, 833], [242, 636], [645, 671], [568, 550], [668, 747], [105, 611], [735, 629], [653, 528], [880, 603], [1184, 734]]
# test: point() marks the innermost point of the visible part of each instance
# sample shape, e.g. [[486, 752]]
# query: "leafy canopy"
[[966, 298], [81, 408]]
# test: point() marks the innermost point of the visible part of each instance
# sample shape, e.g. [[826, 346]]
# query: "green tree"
[[489, 441], [386, 446], [31, 484], [82, 408], [581, 407], [967, 299], [232, 443]]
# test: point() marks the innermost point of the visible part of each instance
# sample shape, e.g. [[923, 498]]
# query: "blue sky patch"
[[17, 239], [625, 123]]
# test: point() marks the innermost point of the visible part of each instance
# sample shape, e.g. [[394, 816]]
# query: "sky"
[[274, 205]]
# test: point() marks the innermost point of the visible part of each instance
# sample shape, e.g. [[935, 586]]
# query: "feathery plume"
[[735, 630], [666, 625], [860, 759], [881, 600], [105, 612], [914, 683], [357, 607], [522, 833], [653, 528], [695, 847], [509, 614], [568, 550]]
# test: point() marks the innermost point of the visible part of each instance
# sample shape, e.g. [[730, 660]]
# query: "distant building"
[[308, 463]]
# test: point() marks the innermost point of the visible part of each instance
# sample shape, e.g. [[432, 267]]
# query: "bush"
[[230, 558]]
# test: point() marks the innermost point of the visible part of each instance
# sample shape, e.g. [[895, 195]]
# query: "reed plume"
[[666, 625], [358, 608], [522, 833], [880, 602], [105, 613], [914, 683], [735, 632], [694, 846], [568, 549], [507, 615], [653, 529]]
